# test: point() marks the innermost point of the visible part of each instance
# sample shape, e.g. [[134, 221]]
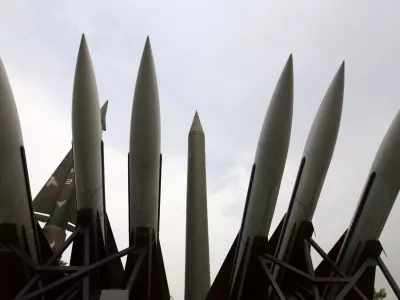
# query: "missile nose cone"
[[324, 130], [387, 160], [282, 99], [196, 125], [286, 78], [337, 84], [9, 120], [85, 99]]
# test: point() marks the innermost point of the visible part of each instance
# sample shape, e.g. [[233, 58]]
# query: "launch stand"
[[298, 278], [93, 280]]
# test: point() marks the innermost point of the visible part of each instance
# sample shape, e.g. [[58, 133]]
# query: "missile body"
[[15, 197], [144, 155], [197, 265], [269, 164], [317, 156], [377, 200], [87, 139]]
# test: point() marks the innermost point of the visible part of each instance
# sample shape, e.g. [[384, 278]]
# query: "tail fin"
[[220, 287], [48, 195], [103, 115], [324, 269]]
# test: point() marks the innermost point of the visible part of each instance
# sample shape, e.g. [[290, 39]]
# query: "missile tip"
[[148, 41], [342, 67], [83, 46], [290, 59], [196, 124], [83, 39], [289, 65]]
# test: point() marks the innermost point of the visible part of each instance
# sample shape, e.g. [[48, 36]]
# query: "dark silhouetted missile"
[[55, 204], [87, 138], [197, 264], [316, 159], [268, 166], [144, 155], [15, 195]]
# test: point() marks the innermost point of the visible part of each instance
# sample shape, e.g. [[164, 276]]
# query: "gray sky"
[[222, 59]]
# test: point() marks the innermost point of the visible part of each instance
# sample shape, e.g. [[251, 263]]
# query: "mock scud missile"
[[55, 204], [144, 150], [316, 159], [376, 202], [197, 259], [270, 160]]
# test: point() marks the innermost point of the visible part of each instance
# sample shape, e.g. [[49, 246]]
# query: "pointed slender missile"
[[87, 139], [55, 204], [377, 199], [270, 160], [316, 159], [376, 202], [144, 155], [197, 264], [15, 197]]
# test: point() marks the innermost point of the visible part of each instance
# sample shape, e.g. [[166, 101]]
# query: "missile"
[[316, 159], [144, 177], [55, 204], [197, 264], [87, 139], [377, 199], [373, 209], [15, 194], [144, 151], [268, 166]]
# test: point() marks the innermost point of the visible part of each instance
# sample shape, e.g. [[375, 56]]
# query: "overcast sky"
[[222, 59]]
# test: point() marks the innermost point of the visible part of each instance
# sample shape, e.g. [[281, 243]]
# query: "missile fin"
[[48, 195], [103, 111], [274, 240], [324, 269], [44, 246], [162, 290], [220, 287], [114, 268]]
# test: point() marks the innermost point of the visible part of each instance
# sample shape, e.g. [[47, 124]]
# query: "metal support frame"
[[77, 275], [266, 260], [389, 277]]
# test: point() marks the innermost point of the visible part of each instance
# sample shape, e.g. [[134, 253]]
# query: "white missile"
[[197, 259], [316, 159], [144, 155], [87, 139], [15, 197], [269, 164], [377, 199]]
